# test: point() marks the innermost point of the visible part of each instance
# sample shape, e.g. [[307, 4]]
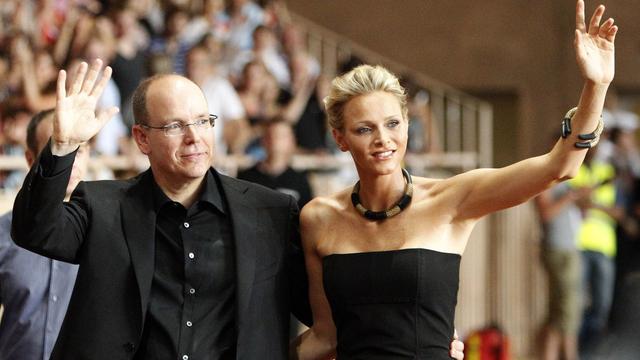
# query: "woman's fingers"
[[605, 27], [594, 24], [611, 35], [580, 25]]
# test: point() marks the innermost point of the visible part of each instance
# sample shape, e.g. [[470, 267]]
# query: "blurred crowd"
[[248, 57]]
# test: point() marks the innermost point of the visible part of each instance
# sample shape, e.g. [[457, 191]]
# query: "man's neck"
[[181, 191]]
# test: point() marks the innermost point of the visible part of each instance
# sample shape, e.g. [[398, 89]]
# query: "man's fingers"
[[594, 24], [91, 77], [580, 25], [106, 115], [104, 79], [76, 81], [61, 92]]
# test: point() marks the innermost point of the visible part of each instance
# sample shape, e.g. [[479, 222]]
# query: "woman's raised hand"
[[595, 46]]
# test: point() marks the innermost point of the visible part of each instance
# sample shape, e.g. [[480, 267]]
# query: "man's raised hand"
[[76, 120]]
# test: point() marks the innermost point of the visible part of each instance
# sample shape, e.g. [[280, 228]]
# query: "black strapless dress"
[[396, 304]]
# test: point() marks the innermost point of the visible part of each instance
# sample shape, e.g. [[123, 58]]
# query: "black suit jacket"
[[108, 227]]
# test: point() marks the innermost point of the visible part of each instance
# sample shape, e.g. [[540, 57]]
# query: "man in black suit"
[[180, 262]]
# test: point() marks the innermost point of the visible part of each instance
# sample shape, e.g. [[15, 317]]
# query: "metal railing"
[[463, 122]]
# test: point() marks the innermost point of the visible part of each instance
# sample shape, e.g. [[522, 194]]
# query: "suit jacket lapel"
[[139, 220], [243, 221]]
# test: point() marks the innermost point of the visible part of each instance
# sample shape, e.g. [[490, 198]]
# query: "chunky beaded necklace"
[[404, 201]]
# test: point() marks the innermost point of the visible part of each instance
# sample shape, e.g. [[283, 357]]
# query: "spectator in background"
[[561, 220], [244, 17], [210, 20], [129, 62], [34, 290], [614, 116], [231, 130], [172, 42], [275, 170], [264, 100], [38, 73], [597, 242], [266, 47], [626, 160], [102, 45], [252, 91], [15, 119], [294, 47], [311, 125]]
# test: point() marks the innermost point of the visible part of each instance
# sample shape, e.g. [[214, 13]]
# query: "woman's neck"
[[381, 192]]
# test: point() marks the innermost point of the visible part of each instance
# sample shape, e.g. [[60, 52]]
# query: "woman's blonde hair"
[[362, 80]]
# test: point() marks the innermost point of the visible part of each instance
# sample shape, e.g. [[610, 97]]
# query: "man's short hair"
[[139, 100], [32, 129]]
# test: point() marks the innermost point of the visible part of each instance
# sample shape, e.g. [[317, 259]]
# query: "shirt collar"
[[210, 194]]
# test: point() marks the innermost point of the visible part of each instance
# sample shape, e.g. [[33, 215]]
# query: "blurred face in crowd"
[[254, 75], [179, 158], [14, 127], [45, 68], [101, 45], [213, 6], [177, 22], [263, 38], [375, 132], [125, 20], [279, 140], [292, 39], [199, 65]]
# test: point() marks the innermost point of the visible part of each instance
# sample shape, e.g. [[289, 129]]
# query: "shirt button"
[[54, 298], [189, 323], [192, 291], [191, 255], [186, 225], [185, 357]]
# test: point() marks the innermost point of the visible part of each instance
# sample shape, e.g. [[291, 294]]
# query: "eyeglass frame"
[[182, 127]]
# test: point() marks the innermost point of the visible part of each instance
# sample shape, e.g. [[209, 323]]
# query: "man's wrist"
[[62, 148]]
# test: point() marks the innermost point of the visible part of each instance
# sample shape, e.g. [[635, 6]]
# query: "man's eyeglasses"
[[178, 128]]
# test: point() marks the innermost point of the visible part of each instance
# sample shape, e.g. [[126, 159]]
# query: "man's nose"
[[191, 133]]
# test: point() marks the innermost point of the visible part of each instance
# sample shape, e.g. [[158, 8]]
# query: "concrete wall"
[[522, 48]]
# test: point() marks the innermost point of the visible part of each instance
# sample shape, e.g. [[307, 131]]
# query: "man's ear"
[[338, 136], [141, 138]]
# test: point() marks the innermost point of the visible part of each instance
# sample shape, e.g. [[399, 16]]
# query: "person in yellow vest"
[[597, 242]]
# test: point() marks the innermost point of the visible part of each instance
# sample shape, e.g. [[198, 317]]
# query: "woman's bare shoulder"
[[325, 208], [428, 186]]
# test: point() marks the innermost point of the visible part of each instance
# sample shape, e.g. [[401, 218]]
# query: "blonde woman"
[[383, 257]]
